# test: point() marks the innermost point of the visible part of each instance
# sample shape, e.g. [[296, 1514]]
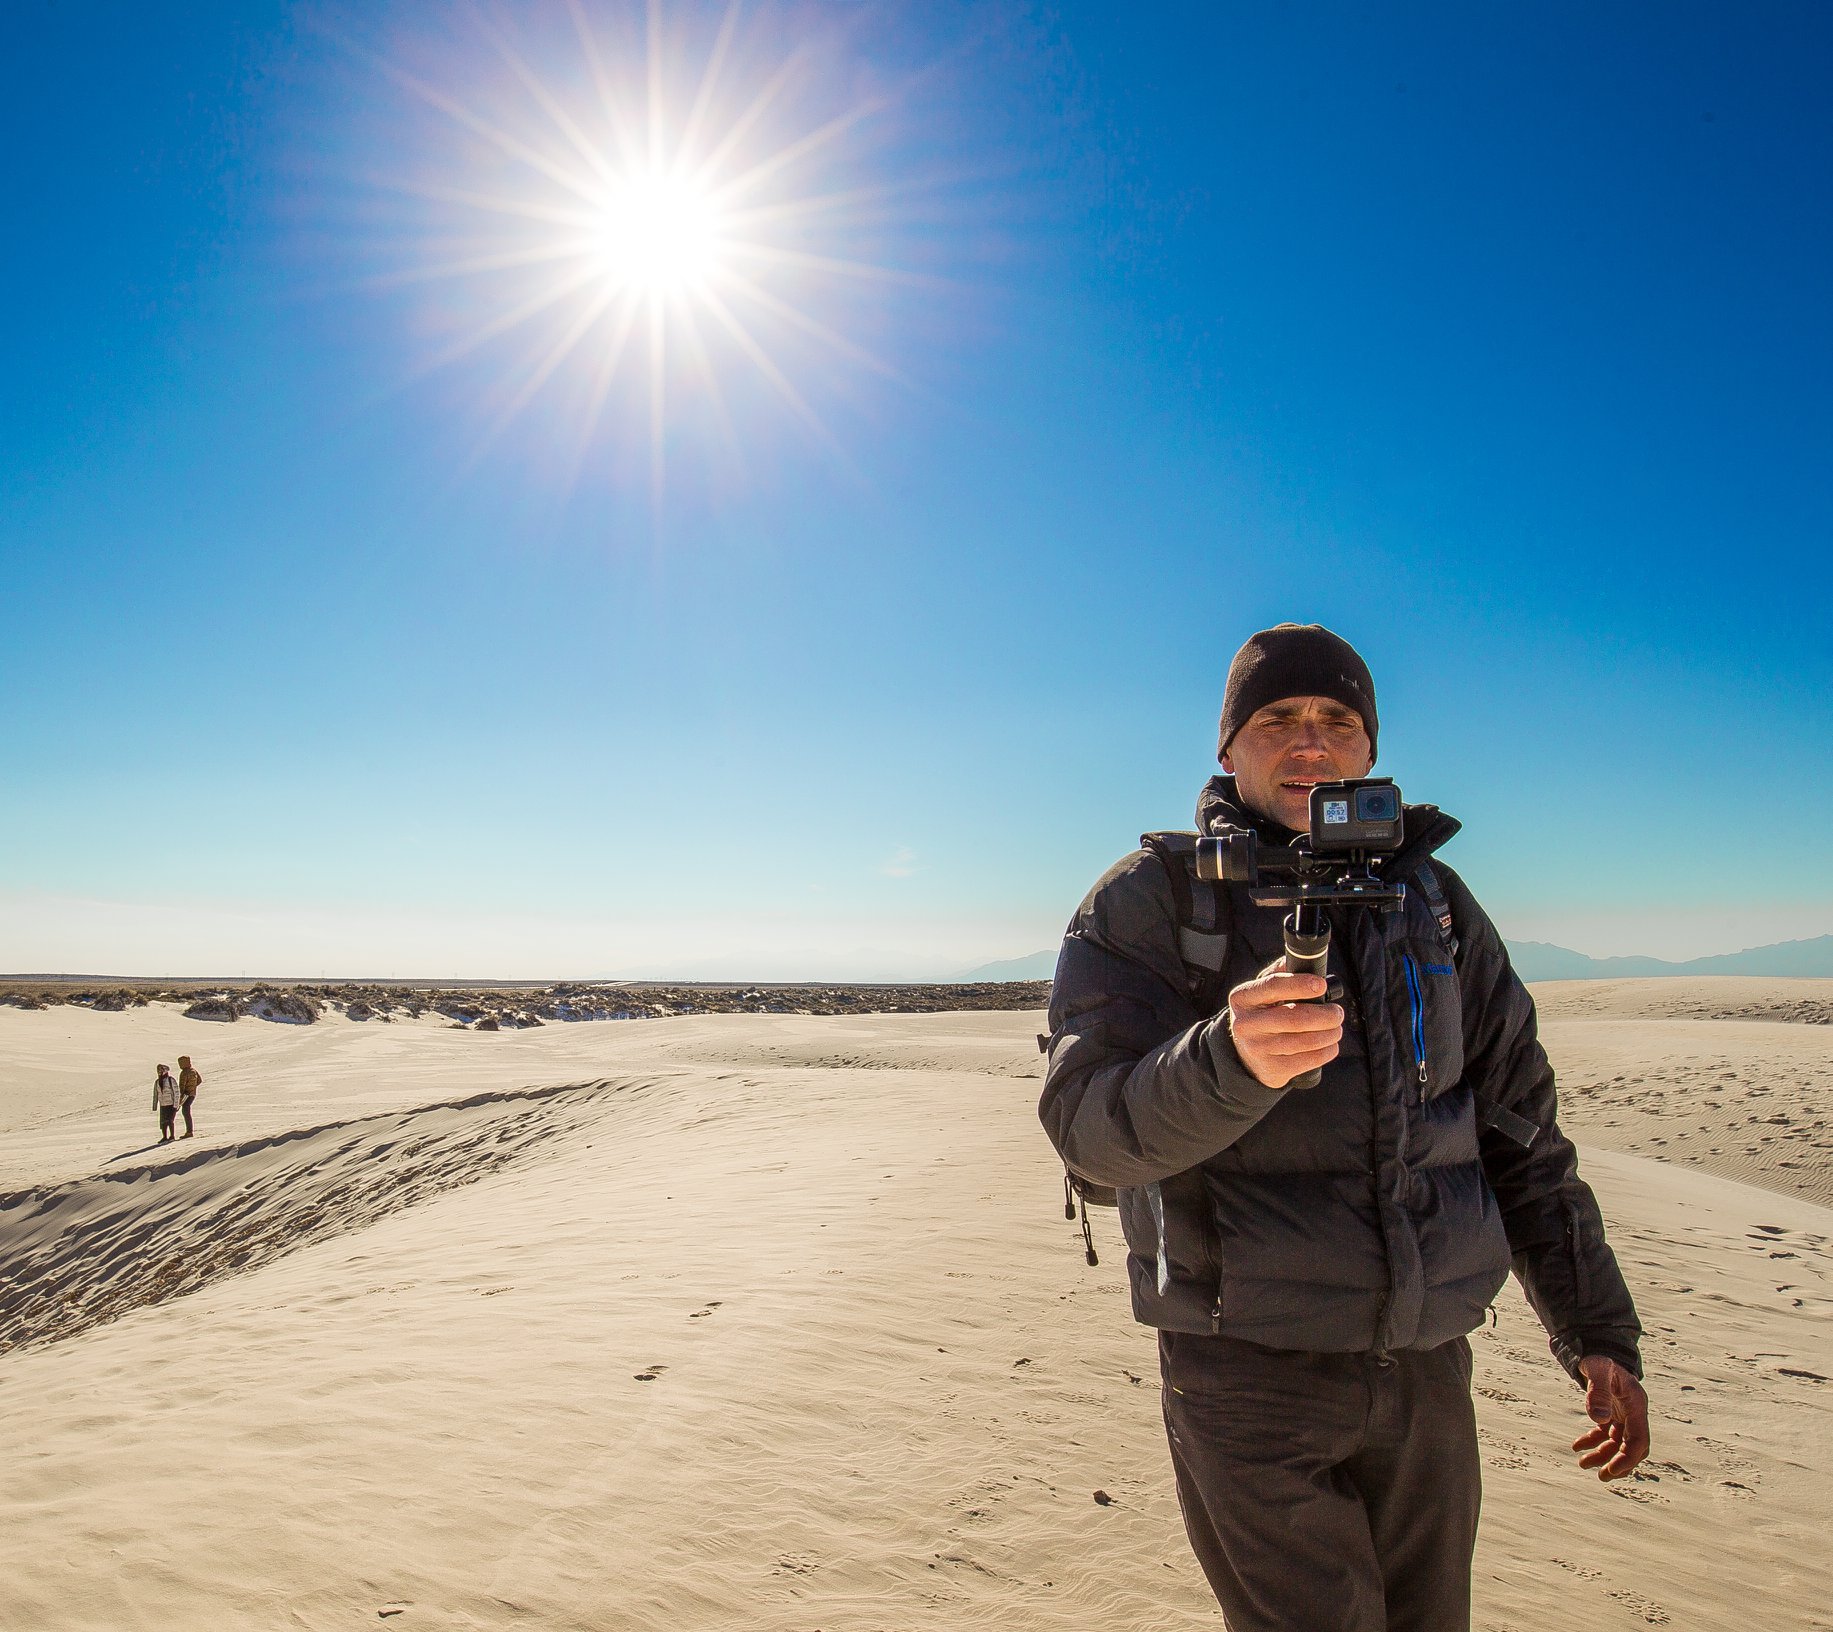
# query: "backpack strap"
[[1205, 917], [1434, 892], [1489, 1114]]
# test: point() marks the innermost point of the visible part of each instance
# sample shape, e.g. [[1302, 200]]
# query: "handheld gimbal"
[[1353, 825]]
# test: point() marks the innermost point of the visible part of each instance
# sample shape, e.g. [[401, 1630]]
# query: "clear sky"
[[364, 613]]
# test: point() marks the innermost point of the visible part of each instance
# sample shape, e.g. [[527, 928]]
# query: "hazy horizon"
[[887, 975]]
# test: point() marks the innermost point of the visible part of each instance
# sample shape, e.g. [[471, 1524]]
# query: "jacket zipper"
[[1215, 1233], [1418, 1006], [1215, 1313], [1581, 1281]]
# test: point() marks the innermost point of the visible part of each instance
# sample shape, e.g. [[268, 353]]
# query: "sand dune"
[[1690, 997], [1744, 1093], [773, 1323], [99, 1248]]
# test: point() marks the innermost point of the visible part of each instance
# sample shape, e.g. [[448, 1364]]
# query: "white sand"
[[778, 1325]]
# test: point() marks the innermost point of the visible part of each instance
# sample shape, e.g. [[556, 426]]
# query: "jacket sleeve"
[[1139, 1085], [1555, 1230]]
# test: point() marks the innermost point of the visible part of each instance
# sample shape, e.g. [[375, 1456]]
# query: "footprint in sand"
[[1501, 1396], [1635, 1493], [1730, 1459], [701, 1314], [649, 1374], [1652, 1613]]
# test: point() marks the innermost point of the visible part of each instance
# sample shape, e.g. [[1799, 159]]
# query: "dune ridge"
[[100, 1248]]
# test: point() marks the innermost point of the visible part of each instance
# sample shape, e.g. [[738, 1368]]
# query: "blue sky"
[[1497, 341]]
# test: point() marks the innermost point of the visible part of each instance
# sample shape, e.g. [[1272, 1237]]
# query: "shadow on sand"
[[157, 1144]]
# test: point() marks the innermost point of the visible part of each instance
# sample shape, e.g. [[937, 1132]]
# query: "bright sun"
[[659, 235], [641, 209]]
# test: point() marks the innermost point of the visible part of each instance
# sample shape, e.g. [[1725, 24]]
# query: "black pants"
[[185, 1106], [168, 1120], [1326, 1492]]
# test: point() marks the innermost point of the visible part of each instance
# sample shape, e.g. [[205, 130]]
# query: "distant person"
[[165, 1101], [1314, 1252], [189, 1080]]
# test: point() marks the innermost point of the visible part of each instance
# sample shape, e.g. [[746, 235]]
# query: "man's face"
[[1288, 747]]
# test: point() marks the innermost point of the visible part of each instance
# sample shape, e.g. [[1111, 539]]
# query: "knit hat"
[[1295, 660]]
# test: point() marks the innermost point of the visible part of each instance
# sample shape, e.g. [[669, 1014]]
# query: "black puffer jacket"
[[1371, 1213]]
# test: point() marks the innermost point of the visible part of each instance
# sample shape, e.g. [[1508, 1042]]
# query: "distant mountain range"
[[1537, 960], [1039, 966]]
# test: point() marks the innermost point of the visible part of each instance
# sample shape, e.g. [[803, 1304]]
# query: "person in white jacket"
[[165, 1101]]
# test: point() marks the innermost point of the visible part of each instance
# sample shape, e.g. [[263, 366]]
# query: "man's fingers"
[[1275, 1057], [1632, 1434], [1288, 1017], [1281, 1051], [1270, 990], [1637, 1440], [1597, 1447], [1296, 1065], [1279, 1028]]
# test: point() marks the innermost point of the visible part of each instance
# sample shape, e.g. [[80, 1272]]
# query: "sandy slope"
[[766, 1324], [78, 1087], [1731, 1074]]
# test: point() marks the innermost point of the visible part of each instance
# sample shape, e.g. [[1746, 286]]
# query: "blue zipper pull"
[[1417, 1003]]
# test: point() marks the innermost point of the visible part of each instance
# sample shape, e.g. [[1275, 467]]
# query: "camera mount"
[[1353, 825]]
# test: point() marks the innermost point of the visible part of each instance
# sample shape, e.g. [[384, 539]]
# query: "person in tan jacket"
[[189, 1079]]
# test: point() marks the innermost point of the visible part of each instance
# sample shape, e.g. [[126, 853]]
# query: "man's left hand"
[[1618, 1409]]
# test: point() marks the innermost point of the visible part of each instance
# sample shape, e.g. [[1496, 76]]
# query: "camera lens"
[[1377, 804]]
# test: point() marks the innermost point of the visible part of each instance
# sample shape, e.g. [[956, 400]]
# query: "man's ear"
[[1228, 763]]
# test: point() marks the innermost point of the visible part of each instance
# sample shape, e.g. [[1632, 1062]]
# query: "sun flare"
[[653, 225]]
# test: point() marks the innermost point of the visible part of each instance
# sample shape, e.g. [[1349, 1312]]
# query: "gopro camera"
[[1363, 814]]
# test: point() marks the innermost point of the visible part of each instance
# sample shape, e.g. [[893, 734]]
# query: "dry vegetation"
[[506, 1008]]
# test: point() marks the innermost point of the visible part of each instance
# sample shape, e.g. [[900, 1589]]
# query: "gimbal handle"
[[1307, 933]]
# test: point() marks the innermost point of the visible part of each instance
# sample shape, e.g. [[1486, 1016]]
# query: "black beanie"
[[1295, 660]]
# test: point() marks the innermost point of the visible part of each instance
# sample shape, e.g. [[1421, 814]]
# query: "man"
[[1313, 1257]]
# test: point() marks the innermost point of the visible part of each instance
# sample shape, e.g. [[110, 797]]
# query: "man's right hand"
[[1278, 1033]]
